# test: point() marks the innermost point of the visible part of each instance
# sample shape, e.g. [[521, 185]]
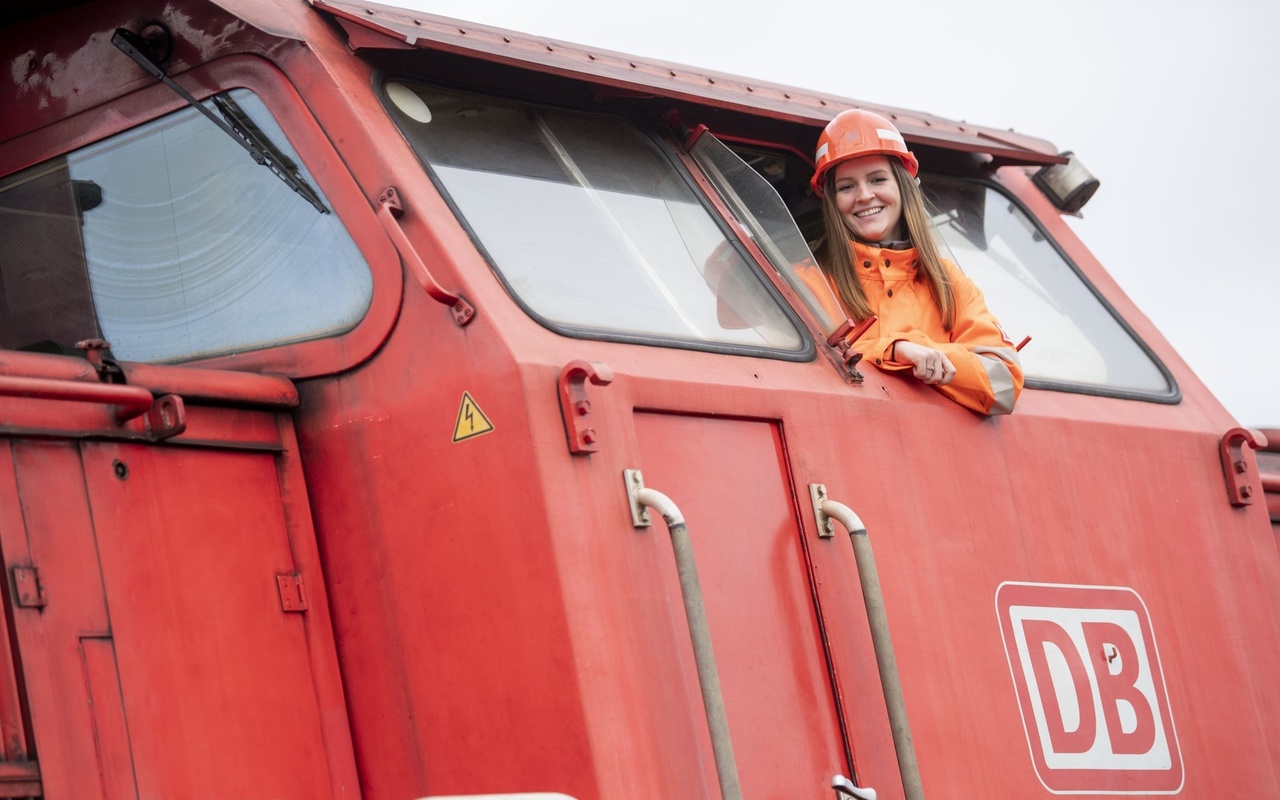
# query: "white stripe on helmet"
[[885, 133]]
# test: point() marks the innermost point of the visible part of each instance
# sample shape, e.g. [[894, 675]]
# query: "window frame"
[[303, 359], [1172, 397], [808, 350]]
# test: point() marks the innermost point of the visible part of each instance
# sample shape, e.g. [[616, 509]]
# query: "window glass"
[[172, 243], [589, 224], [748, 190], [1033, 291]]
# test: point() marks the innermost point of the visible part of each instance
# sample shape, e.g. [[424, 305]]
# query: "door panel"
[[191, 542], [49, 526], [163, 652], [752, 567]]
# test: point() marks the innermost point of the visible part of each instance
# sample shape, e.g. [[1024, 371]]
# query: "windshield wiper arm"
[[248, 135]]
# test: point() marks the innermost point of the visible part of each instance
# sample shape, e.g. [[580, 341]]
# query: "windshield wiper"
[[242, 129]]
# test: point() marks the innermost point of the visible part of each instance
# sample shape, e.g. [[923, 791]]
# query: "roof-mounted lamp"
[[1068, 185]]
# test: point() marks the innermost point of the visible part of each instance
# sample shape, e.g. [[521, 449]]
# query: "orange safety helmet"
[[854, 133]]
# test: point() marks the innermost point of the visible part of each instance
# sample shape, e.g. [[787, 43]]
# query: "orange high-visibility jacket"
[[988, 373]]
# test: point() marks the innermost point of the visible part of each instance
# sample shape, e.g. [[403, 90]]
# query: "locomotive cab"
[[395, 407]]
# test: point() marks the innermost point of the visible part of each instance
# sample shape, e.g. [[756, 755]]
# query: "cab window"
[[1076, 340], [1078, 343], [172, 243], [591, 226]]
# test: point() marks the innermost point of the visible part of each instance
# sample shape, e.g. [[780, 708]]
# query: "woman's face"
[[869, 199]]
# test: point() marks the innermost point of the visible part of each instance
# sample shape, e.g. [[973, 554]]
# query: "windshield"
[[171, 243]]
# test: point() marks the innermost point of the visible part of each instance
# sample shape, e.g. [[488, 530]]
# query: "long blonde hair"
[[833, 250]]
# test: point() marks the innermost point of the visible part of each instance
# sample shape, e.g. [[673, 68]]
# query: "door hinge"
[[28, 589], [293, 595]]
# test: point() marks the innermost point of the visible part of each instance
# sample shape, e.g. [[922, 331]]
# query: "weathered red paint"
[[482, 616]]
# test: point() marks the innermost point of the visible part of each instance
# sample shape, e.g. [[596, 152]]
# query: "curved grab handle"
[[846, 788], [389, 208], [575, 408], [826, 510], [704, 658]]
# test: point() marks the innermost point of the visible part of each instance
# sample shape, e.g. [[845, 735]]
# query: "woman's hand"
[[929, 365]]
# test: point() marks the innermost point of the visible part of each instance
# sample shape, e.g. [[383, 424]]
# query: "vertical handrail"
[[695, 611], [881, 641]]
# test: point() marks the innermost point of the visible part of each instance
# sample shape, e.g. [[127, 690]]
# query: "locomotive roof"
[[369, 24]]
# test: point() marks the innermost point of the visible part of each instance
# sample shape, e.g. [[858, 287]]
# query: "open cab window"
[[592, 227], [171, 243], [1077, 343]]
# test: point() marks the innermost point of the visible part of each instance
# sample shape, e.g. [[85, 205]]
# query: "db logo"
[[1091, 689]]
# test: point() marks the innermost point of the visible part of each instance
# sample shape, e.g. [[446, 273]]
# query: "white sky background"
[[1173, 105]]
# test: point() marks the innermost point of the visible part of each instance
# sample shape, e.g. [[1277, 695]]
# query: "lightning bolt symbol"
[[471, 425]]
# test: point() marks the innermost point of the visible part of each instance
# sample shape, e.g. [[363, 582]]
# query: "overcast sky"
[[1173, 105]]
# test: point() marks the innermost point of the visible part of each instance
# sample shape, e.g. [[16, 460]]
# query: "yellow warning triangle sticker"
[[471, 420]]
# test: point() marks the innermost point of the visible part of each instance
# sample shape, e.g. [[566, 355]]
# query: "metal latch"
[[293, 595], [28, 589]]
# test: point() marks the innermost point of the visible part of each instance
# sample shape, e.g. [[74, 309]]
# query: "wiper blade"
[[242, 129]]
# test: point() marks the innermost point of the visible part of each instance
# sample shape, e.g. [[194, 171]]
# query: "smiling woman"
[[880, 256]]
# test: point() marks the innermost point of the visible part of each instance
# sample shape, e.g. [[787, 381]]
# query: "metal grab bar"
[[389, 208], [887, 663], [703, 656], [130, 401]]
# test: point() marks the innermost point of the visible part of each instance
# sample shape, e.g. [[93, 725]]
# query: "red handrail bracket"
[[1235, 468], [574, 405]]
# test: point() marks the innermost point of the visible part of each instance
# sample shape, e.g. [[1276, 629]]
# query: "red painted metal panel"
[[48, 523], [236, 697], [111, 730], [191, 542], [501, 625], [730, 478]]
